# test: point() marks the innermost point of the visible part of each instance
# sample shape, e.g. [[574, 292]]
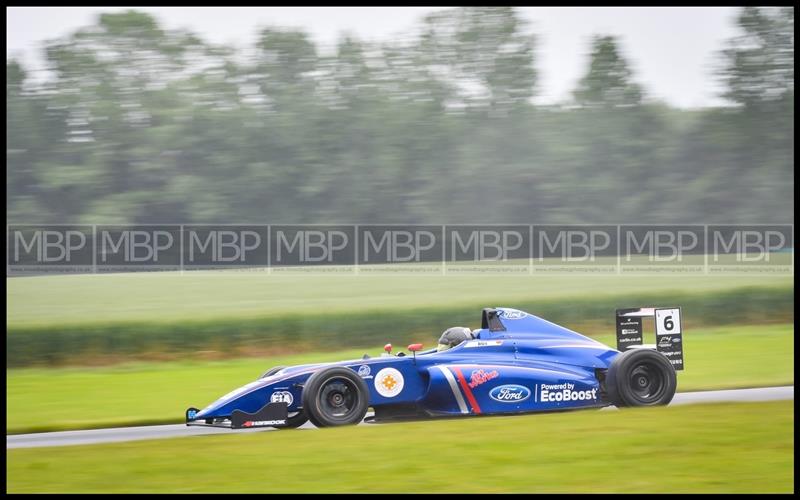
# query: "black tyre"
[[335, 396], [295, 419], [641, 377]]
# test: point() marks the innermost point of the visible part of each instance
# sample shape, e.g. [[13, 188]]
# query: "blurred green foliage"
[[142, 124]]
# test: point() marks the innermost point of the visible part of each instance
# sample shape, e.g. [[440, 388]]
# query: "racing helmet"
[[454, 336]]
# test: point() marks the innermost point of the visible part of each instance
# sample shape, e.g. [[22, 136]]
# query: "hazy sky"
[[671, 49]]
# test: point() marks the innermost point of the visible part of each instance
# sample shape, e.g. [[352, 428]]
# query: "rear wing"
[[669, 339]]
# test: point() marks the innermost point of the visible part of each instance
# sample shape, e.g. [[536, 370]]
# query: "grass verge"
[[722, 448]]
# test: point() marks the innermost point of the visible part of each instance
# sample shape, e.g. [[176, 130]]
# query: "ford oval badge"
[[510, 393]]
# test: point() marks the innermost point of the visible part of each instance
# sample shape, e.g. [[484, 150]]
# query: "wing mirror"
[[414, 348]]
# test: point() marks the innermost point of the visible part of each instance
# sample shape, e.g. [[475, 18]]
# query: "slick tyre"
[[641, 377], [295, 419], [335, 396]]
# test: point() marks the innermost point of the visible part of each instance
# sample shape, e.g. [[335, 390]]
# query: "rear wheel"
[[641, 377], [335, 396], [295, 419]]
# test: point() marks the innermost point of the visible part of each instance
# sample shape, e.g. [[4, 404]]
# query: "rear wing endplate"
[[669, 340]]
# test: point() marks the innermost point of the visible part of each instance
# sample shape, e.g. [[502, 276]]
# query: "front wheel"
[[335, 396], [294, 420], [641, 377]]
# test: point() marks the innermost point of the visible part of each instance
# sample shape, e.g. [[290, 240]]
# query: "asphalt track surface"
[[69, 438]]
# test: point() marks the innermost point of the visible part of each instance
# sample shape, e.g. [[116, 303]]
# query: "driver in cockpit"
[[454, 336]]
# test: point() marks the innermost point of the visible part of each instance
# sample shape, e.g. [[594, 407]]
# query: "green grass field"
[[167, 297], [141, 393], [719, 448]]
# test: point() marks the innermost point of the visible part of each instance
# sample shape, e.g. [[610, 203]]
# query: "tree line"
[[141, 124]]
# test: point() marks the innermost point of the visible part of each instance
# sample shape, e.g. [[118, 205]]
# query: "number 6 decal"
[[668, 321], [669, 338]]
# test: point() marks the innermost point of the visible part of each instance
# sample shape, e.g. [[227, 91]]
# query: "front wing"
[[270, 415]]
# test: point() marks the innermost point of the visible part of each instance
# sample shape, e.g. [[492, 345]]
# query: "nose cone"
[[247, 398]]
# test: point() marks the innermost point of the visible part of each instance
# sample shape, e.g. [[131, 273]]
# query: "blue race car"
[[516, 363]]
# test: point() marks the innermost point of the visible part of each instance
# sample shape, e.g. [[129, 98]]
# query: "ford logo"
[[510, 393], [512, 314]]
